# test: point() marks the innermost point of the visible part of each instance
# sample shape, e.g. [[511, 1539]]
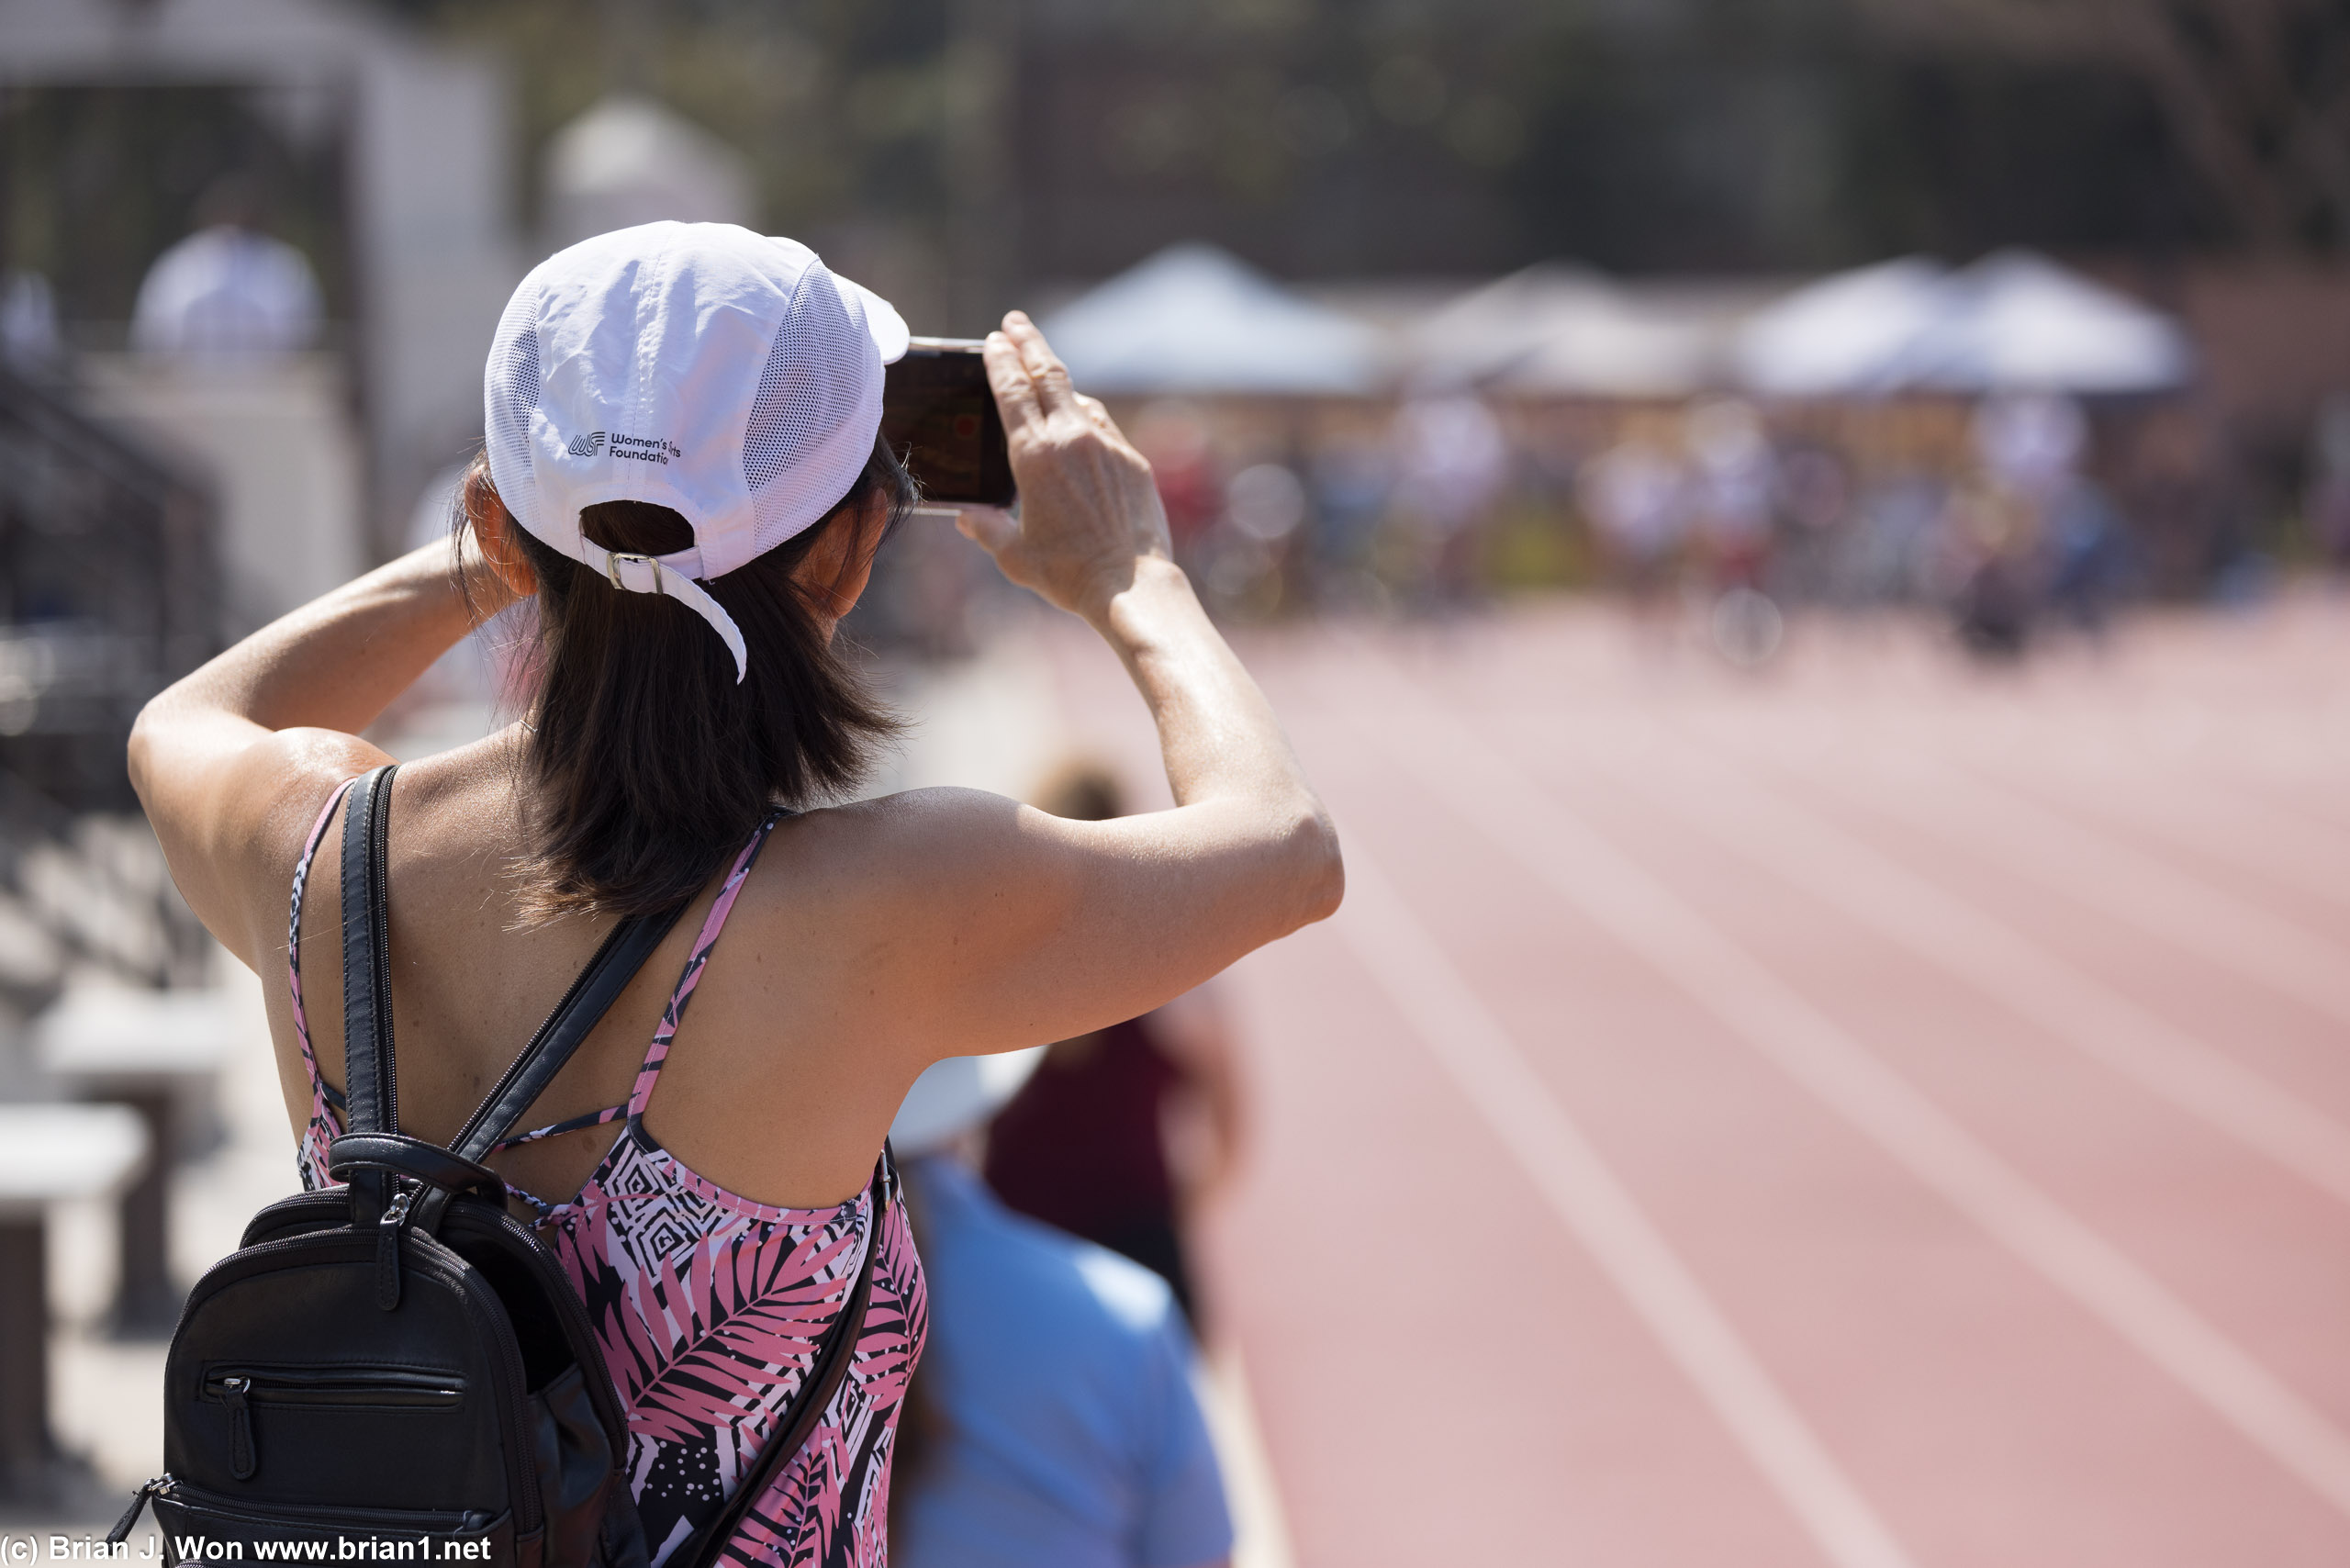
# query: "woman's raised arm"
[[232, 761], [1034, 928]]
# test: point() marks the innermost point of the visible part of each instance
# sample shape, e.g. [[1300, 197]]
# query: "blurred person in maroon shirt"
[[1122, 1132], [1175, 436]]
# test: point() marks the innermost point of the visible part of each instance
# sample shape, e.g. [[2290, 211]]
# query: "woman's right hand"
[[1088, 508]]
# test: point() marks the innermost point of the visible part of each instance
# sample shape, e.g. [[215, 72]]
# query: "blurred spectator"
[[1052, 1422], [28, 336], [227, 289], [1982, 572], [1896, 551], [1451, 464], [1117, 1128], [1242, 564], [1813, 487], [2329, 479], [1735, 472], [2004, 540], [1265, 502], [2029, 443], [1350, 479], [2087, 562], [1175, 437], [1637, 499]]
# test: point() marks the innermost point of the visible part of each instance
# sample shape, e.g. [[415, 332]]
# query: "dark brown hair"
[[645, 765]]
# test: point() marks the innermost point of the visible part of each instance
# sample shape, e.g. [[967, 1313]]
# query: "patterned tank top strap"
[[704, 940], [580, 1123], [324, 1124]]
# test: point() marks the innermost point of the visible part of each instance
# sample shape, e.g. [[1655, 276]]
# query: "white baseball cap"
[[730, 376], [957, 1094]]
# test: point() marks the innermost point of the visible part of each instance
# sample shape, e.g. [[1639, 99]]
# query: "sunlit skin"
[[872, 938]]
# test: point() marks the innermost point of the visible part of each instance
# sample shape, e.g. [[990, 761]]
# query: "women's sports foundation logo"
[[636, 448]]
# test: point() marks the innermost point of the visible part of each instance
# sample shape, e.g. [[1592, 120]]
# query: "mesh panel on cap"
[[814, 382], [512, 388]]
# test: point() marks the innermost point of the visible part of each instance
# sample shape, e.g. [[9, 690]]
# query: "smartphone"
[[936, 411]]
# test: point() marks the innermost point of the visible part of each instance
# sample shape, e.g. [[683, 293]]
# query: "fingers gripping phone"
[[936, 410]]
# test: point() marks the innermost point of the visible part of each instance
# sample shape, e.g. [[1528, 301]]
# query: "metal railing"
[[108, 591]]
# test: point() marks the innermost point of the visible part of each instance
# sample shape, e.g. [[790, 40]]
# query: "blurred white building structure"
[[429, 176], [630, 160], [274, 434], [1194, 320]]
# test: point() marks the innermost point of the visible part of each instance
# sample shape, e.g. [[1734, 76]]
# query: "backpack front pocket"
[[205, 1526], [319, 1392]]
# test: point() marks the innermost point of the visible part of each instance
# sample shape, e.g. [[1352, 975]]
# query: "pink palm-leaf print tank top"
[[709, 1309]]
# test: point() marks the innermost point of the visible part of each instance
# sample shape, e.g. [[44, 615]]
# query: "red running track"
[[1877, 1112]]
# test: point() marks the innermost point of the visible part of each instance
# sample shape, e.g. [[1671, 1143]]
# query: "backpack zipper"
[[357, 1388], [121, 1531], [303, 1518], [387, 1247]]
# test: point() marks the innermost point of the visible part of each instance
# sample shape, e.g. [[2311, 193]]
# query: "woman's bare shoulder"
[[917, 840], [898, 872]]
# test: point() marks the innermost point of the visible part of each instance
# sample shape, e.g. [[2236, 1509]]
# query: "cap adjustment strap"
[[650, 573], [618, 558]]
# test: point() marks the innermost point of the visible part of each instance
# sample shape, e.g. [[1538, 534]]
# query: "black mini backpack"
[[401, 1360]]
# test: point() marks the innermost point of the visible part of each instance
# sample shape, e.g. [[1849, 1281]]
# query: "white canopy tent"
[[1490, 331], [1194, 319], [1553, 331], [2014, 321], [2022, 322], [1842, 335]]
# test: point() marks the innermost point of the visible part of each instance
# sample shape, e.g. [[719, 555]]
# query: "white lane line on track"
[[2124, 883], [2263, 839], [1472, 1045], [1539, 831], [1953, 934]]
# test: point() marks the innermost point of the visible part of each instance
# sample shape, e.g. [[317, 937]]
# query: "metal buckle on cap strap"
[[612, 561]]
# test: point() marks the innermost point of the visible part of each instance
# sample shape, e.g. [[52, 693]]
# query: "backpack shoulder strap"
[[370, 1090], [371, 1102]]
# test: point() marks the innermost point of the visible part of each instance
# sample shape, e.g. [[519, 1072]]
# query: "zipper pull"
[[121, 1531], [243, 1461], [387, 1247]]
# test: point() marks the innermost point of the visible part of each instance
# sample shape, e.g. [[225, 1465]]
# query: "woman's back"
[[756, 1100], [711, 1305]]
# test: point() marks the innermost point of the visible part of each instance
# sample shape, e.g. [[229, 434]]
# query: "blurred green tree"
[[2256, 93], [978, 146]]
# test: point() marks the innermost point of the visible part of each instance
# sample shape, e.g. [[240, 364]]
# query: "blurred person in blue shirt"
[[1053, 1421], [228, 290]]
